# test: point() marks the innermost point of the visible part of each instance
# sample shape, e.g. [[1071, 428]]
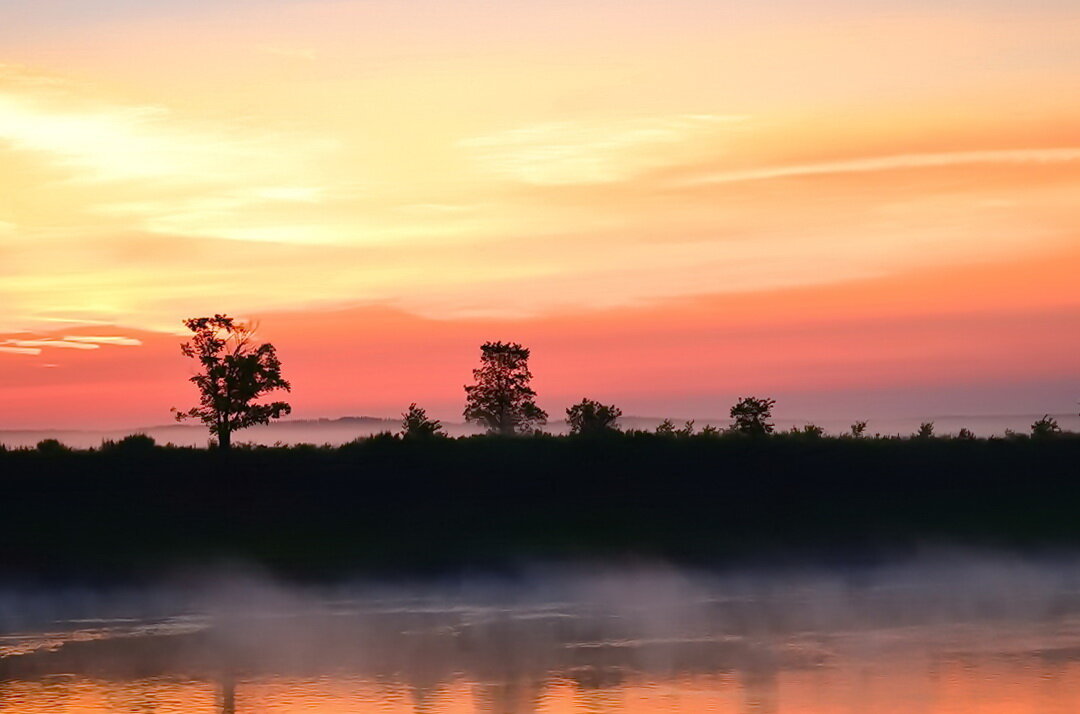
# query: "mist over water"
[[914, 636]]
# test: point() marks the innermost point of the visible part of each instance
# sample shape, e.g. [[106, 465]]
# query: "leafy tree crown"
[[589, 417], [415, 424], [234, 372], [1047, 426], [751, 415], [502, 399]]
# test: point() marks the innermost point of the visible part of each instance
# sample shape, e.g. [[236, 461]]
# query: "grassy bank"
[[386, 506]]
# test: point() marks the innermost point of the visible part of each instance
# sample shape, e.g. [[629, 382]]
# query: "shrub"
[[1045, 427], [666, 428], [131, 444], [751, 416], [590, 417], [415, 424], [52, 446]]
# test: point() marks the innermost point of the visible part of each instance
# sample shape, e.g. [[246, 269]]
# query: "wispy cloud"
[[591, 152], [9, 349], [440, 208], [897, 162], [48, 344], [115, 142], [35, 345], [109, 340], [160, 168]]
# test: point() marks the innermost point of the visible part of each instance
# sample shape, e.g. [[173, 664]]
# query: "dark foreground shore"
[[387, 507]]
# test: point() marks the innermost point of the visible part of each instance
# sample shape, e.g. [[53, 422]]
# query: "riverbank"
[[391, 507]]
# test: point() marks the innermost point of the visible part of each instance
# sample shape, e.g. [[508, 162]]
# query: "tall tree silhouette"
[[235, 372], [502, 399], [751, 416]]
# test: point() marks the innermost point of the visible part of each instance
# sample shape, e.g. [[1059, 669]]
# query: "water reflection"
[[664, 646], [999, 683], [228, 694]]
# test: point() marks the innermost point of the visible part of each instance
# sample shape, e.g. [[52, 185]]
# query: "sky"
[[861, 209]]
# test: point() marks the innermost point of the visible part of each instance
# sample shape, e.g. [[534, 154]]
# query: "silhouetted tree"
[[589, 417], [415, 424], [751, 416], [131, 444], [965, 434], [926, 430], [1047, 426], [812, 431], [666, 428], [858, 429], [235, 372], [52, 446], [502, 399]]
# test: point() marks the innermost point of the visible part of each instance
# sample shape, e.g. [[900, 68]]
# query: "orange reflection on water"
[[77, 695], [996, 684]]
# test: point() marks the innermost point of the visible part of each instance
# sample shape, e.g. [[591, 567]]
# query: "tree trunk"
[[224, 438]]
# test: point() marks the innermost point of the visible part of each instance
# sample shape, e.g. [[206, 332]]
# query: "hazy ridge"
[[337, 431]]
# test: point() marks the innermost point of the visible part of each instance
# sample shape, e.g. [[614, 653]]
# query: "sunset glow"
[[860, 208]]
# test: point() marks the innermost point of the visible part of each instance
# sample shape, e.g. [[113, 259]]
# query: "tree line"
[[235, 372]]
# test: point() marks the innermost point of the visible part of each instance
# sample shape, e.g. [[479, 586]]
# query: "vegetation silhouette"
[[591, 418], [666, 428], [52, 446], [1045, 427], [415, 424], [751, 416], [421, 502], [132, 444], [392, 505], [502, 399], [235, 372], [810, 431]]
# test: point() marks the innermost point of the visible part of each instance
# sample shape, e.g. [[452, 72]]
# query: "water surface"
[[947, 637]]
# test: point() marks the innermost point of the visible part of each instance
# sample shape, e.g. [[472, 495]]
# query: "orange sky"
[[859, 208]]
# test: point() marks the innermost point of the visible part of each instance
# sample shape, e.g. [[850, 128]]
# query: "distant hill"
[[315, 431], [344, 429]]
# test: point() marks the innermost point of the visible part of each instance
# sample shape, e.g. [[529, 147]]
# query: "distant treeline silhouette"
[[416, 502], [393, 505], [235, 372]]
